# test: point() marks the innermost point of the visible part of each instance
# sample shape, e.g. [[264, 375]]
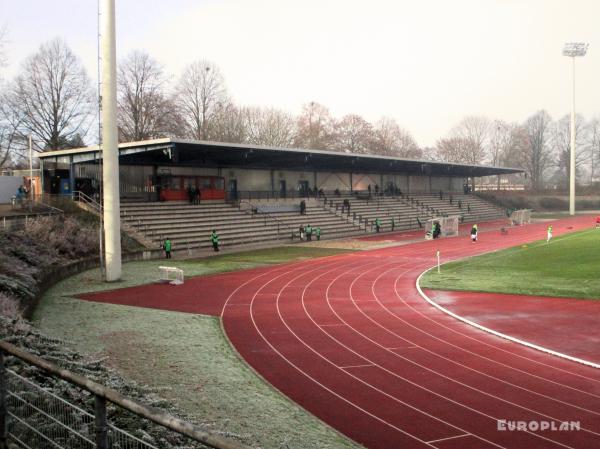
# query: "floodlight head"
[[573, 49]]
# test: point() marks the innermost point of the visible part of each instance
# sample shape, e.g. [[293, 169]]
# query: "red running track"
[[349, 338], [567, 326]]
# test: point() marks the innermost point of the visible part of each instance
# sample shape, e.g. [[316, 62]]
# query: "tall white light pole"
[[110, 148], [573, 49]]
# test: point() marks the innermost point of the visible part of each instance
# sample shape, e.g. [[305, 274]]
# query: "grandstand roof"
[[181, 152]]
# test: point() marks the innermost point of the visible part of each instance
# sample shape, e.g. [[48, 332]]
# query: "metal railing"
[[33, 417], [81, 197], [250, 208]]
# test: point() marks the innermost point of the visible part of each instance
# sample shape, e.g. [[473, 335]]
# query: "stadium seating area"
[[271, 221]]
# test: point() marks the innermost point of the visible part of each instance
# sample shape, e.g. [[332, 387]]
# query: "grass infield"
[[185, 358], [566, 267]]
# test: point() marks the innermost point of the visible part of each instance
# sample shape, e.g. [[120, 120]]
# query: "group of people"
[[167, 245], [306, 232], [194, 194]]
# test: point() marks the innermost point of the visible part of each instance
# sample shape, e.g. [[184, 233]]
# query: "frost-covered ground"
[[185, 358]]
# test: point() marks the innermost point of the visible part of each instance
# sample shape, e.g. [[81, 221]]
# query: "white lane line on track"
[[308, 376], [514, 240], [500, 334], [355, 366], [486, 358], [392, 397], [442, 375], [450, 438], [340, 298]]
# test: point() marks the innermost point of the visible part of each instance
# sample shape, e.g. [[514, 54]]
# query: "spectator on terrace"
[[318, 233], [214, 238], [376, 190], [190, 193], [336, 192], [441, 195], [369, 189], [167, 247], [393, 223], [346, 206], [302, 207], [459, 204], [377, 224], [198, 196], [309, 231]]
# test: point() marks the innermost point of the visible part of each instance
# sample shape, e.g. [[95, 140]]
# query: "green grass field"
[[567, 267]]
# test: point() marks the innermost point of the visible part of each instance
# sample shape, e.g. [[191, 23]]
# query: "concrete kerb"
[[496, 333]]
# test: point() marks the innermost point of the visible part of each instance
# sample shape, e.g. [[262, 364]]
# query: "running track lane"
[[349, 338]]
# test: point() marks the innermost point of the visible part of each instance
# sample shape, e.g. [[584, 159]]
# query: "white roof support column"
[[110, 149]]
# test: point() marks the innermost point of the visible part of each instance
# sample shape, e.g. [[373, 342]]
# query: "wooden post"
[[3, 411], [101, 423]]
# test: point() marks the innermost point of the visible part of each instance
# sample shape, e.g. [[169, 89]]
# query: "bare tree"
[[144, 111], [561, 143], [269, 127], [391, 140], [315, 127], [594, 145], [12, 141], [55, 96], [476, 131], [459, 149], [228, 124], [515, 148], [199, 93], [538, 157], [353, 134]]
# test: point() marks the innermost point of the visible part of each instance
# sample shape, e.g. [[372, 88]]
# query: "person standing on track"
[[474, 233], [377, 224], [214, 238], [549, 236], [167, 247]]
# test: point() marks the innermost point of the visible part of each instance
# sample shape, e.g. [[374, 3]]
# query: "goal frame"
[[171, 275], [448, 224], [520, 217]]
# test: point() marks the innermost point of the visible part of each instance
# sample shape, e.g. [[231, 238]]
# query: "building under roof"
[[151, 165]]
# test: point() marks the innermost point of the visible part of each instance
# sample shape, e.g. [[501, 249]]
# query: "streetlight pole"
[[573, 49]]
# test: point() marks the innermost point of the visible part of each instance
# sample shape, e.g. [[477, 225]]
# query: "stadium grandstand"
[[253, 193]]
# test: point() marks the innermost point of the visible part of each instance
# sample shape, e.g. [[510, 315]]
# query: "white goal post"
[[521, 217], [172, 275], [448, 226]]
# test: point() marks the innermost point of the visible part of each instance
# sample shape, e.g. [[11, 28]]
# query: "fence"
[[33, 417]]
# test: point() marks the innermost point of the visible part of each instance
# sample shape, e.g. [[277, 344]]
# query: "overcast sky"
[[426, 64]]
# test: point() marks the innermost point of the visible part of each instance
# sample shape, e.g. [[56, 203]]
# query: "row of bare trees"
[[52, 99], [539, 145]]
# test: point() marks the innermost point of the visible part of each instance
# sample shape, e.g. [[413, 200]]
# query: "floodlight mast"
[[572, 50], [110, 147]]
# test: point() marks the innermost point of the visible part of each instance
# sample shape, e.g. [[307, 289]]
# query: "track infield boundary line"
[[496, 333]]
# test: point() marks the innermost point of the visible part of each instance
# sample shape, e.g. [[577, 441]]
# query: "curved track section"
[[350, 339]]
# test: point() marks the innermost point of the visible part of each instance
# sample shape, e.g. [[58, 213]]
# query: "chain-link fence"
[[33, 417]]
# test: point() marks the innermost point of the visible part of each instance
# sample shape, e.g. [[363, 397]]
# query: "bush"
[[553, 203], [587, 204]]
